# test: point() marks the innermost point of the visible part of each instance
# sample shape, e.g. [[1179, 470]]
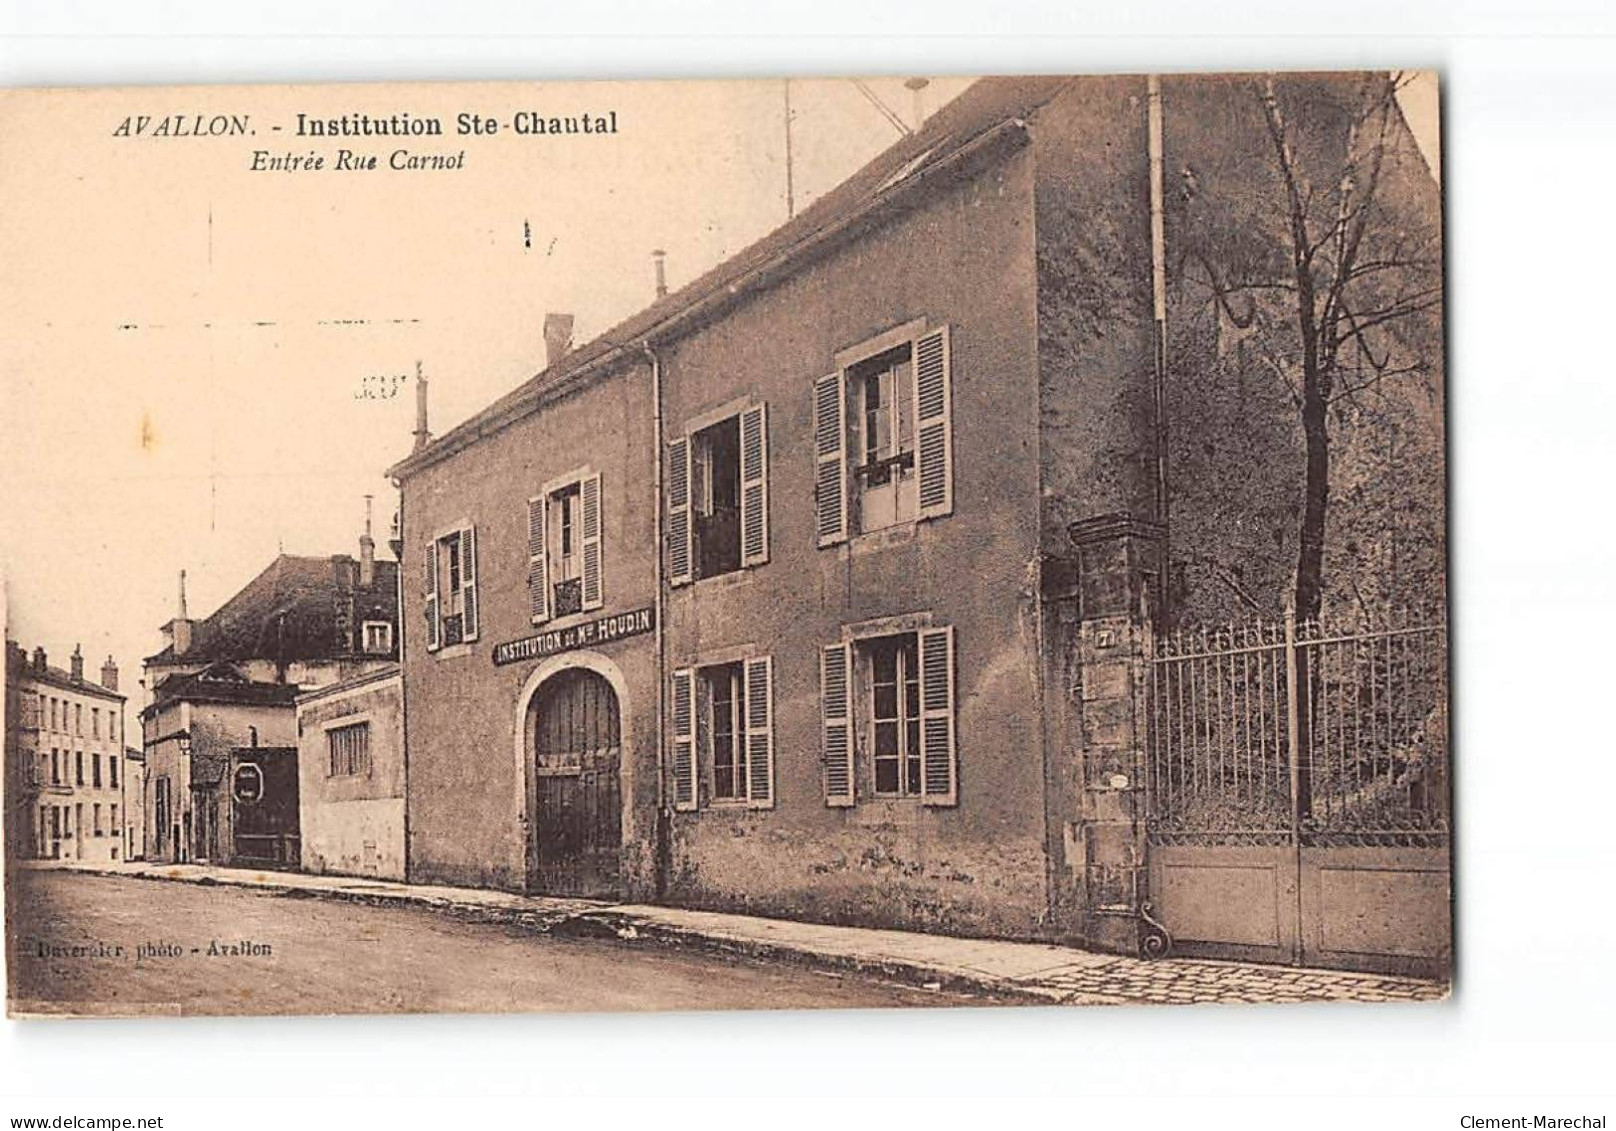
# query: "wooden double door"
[[578, 826]]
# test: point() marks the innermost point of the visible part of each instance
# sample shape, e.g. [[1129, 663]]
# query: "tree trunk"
[[1315, 502]]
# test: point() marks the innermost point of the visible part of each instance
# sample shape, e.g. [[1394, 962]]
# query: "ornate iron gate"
[[578, 756], [1297, 792]]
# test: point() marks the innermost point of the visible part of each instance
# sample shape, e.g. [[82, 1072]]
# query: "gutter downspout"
[[403, 682], [1158, 287], [664, 818]]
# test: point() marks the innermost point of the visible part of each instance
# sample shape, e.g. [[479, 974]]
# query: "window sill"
[[741, 576], [452, 651], [888, 812], [873, 541], [556, 624]]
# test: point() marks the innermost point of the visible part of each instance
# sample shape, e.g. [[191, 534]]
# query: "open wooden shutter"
[[684, 739], [679, 549], [538, 569], [468, 581], [830, 459], [594, 588], [755, 485], [760, 733], [430, 589], [939, 773], [836, 720], [934, 429]]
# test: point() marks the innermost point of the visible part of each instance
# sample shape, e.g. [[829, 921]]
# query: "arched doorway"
[[577, 759]]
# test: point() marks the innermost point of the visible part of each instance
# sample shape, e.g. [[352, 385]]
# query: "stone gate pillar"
[[1119, 583]]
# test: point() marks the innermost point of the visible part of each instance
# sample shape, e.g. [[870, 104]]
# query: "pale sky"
[[184, 341]]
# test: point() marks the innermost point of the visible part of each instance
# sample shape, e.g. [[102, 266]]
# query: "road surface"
[[105, 944]]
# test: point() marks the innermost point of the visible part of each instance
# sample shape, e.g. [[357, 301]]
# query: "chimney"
[[177, 632], [109, 674], [367, 550], [40, 663], [76, 662], [557, 337], [659, 258], [422, 436]]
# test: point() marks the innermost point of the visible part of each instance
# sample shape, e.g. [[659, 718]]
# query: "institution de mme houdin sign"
[[601, 630]]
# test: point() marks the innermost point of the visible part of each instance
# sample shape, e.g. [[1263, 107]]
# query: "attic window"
[[378, 637], [909, 167]]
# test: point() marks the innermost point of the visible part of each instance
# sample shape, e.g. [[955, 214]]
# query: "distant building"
[[134, 807], [230, 682], [351, 776], [65, 778]]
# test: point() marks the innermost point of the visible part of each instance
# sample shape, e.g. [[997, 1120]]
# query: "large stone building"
[[65, 767], [815, 589], [229, 683]]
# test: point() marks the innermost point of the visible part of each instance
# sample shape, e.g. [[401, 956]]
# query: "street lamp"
[[184, 739]]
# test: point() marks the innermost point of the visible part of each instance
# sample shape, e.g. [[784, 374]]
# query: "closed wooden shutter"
[[830, 459], [468, 581], [429, 589], [538, 569], [594, 584], [679, 548], [684, 739], [760, 733], [939, 771], [934, 423], [836, 718], [755, 485]]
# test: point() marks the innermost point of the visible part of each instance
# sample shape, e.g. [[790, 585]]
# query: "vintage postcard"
[[732, 544]]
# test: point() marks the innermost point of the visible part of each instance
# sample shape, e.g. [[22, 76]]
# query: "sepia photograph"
[[729, 544]]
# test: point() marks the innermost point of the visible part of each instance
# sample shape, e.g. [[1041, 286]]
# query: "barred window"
[[349, 750]]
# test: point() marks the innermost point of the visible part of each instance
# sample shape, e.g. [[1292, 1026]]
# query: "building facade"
[[66, 776], [818, 588], [134, 797], [230, 682], [351, 776]]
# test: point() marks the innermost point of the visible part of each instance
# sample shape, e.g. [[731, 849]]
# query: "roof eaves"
[[719, 292]]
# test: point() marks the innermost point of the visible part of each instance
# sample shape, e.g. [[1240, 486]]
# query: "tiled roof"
[[220, 683], [291, 611], [984, 106], [22, 668]]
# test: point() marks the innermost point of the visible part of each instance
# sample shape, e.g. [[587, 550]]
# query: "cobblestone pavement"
[[996, 968], [1185, 981]]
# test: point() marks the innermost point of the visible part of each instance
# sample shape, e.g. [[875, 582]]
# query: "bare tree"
[[1327, 263]]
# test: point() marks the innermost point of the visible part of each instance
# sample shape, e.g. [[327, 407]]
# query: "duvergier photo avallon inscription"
[[725, 544]]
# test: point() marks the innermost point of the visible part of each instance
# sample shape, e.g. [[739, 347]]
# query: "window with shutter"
[[679, 555], [468, 582], [755, 486], [684, 739], [934, 422], [836, 716], [830, 459], [538, 575], [430, 589], [760, 733], [937, 725], [593, 582]]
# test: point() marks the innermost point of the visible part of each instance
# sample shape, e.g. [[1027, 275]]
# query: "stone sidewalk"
[[1013, 970]]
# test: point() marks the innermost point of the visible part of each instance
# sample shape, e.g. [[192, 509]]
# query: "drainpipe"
[[1158, 287], [403, 697], [664, 817]]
